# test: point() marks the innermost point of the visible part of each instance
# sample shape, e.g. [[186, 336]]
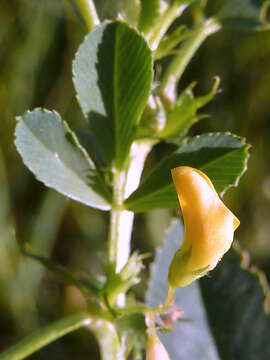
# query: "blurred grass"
[[38, 40]]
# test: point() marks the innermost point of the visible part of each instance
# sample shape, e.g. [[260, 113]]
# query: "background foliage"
[[36, 52]]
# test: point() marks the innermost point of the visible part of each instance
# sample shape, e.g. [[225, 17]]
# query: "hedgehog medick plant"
[[129, 108]]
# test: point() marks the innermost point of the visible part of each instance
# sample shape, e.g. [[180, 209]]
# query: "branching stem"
[[175, 70]]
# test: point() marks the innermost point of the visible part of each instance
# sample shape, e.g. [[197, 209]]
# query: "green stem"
[[121, 220], [166, 19], [103, 330], [175, 70], [88, 11], [114, 231], [45, 336]]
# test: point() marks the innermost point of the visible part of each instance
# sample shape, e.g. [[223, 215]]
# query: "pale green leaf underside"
[[222, 156], [52, 152], [112, 76], [189, 340]]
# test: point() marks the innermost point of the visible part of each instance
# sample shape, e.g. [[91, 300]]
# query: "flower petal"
[[209, 226]]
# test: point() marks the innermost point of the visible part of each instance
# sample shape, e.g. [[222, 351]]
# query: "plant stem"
[[166, 19], [103, 330], [88, 11], [175, 70], [121, 220], [45, 336], [119, 179]]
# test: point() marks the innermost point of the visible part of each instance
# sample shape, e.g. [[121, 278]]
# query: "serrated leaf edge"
[[258, 274], [105, 23], [79, 147], [190, 140]]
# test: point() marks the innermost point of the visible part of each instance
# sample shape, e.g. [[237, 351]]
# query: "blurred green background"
[[38, 40]]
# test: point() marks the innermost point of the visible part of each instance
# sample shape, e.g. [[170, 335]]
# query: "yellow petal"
[[155, 350], [209, 226]]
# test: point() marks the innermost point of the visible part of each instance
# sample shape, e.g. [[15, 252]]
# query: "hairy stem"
[[175, 70], [121, 221], [119, 180]]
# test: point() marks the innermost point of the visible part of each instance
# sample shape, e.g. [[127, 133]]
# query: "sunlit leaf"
[[222, 156], [112, 76], [52, 152]]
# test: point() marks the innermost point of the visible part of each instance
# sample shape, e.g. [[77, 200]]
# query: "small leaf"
[[222, 156], [52, 152], [184, 113], [191, 339], [245, 14], [173, 124], [129, 276], [112, 76]]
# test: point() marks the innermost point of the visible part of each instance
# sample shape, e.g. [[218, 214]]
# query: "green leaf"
[[112, 76], [191, 339], [235, 298], [222, 156], [150, 11], [184, 114], [224, 313], [52, 152], [103, 330], [245, 14]]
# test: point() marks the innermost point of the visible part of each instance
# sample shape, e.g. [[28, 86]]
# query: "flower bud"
[[209, 227], [155, 350]]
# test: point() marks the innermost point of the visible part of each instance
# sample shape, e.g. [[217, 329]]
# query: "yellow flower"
[[209, 227], [155, 350]]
